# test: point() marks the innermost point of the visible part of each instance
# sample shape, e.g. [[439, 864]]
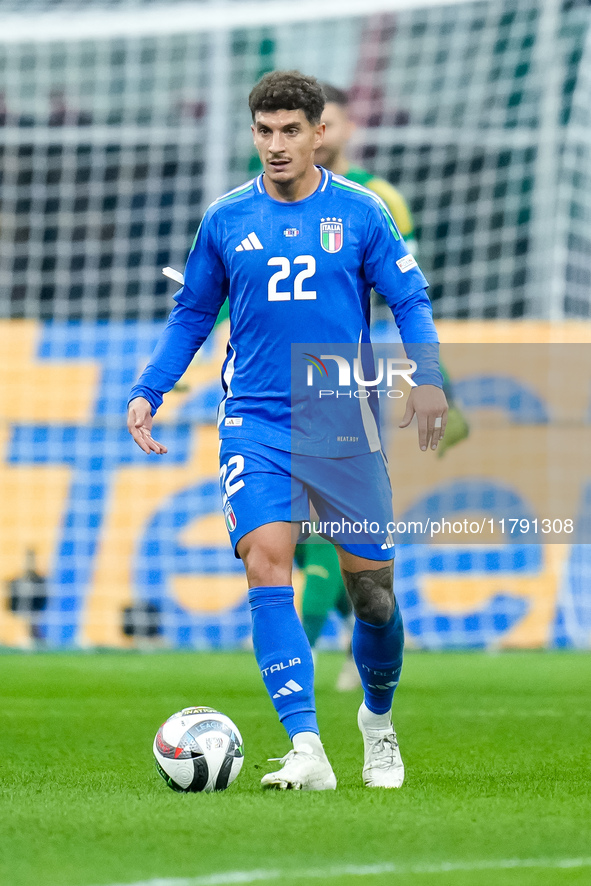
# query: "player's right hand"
[[139, 425]]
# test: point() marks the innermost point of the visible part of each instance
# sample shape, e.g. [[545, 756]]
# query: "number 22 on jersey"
[[284, 265]]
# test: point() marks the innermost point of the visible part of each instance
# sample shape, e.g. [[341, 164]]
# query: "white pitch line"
[[232, 877]]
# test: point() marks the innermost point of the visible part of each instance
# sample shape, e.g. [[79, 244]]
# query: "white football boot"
[[383, 766], [302, 770]]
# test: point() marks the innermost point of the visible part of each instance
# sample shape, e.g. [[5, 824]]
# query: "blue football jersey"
[[299, 272]]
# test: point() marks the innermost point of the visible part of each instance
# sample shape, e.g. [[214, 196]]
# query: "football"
[[198, 749]]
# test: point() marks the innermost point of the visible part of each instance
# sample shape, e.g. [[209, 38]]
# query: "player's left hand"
[[430, 406]]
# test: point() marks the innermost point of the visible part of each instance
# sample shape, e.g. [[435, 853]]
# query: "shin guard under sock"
[[377, 650]]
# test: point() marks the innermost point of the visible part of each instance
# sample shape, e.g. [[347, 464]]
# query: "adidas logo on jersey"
[[250, 242], [290, 687]]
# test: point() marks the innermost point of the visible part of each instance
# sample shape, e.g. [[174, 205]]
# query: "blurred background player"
[[324, 591]]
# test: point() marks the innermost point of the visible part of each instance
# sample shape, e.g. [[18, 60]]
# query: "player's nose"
[[277, 143]]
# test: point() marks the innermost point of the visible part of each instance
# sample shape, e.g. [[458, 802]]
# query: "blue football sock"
[[377, 651], [284, 657]]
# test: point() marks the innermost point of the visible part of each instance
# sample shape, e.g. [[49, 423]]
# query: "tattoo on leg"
[[371, 592]]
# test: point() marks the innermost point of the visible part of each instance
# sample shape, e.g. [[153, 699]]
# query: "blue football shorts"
[[351, 497]]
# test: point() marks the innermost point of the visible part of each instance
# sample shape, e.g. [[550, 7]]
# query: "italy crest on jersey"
[[331, 234], [230, 517]]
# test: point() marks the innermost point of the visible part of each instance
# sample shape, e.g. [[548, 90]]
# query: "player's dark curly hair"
[[289, 91]]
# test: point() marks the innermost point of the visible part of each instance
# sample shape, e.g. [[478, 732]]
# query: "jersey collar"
[[324, 180]]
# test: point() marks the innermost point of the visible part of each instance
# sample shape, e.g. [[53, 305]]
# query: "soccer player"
[[263, 246], [323, 589]]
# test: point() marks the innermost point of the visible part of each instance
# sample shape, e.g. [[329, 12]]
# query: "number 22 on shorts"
[[228, 482]]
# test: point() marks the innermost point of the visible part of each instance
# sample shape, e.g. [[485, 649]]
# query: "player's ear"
[[319, 135]]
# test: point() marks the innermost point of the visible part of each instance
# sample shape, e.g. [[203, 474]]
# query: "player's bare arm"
[[429, 405], [139, 425]]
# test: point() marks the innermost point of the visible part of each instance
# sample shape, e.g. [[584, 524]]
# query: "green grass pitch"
[[497, 750]]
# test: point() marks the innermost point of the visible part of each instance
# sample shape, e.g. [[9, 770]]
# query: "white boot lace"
[[383, 751]]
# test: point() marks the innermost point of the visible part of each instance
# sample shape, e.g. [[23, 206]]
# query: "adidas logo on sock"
[[250, 242], [290, 687]]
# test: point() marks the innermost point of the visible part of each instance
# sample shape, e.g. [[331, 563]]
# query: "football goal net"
[[121, 122]]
